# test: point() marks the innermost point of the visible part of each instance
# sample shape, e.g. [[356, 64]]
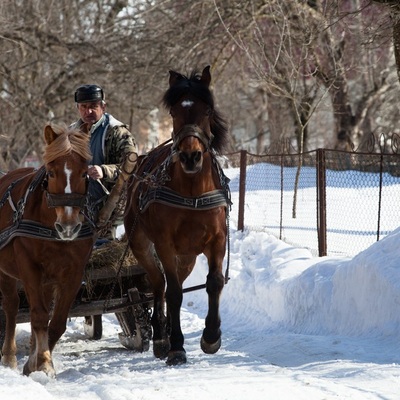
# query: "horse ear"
[[49, 134], [206, 76], [173, 77]]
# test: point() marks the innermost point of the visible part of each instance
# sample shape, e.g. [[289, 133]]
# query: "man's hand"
[[95, 172]]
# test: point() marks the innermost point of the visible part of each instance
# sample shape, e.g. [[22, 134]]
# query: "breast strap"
[[32, 229], [165, 195]]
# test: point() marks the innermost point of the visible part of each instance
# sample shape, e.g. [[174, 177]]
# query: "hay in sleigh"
[[110, 256], [109, 262]]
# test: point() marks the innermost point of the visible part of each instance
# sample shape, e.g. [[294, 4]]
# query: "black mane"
[[193, 85]]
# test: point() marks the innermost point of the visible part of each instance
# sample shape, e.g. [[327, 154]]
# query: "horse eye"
[[50, 174]]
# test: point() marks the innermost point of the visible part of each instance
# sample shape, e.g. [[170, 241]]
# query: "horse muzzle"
[[192, 162], [68, 224], [68, 232]]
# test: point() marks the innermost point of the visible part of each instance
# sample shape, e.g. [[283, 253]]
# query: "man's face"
[[91, 112]]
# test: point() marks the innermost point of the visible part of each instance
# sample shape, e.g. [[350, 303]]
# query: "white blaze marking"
[[187, 103], [68, 173]]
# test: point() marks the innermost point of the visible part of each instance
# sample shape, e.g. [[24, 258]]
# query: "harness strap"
[[32, 229], [165, 195], [191, 130], [12, 204], [7, 194], [19, 212]]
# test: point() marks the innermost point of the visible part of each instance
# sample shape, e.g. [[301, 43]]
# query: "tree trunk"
[[396, 36], [280, 119], [394, 6]]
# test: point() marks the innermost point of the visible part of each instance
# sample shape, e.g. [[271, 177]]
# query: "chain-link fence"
[[331, 202]]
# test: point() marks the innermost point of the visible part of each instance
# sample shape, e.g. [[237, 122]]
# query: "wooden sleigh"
[[113, 282]]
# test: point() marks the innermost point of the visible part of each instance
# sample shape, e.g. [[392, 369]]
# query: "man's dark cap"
[[89, 93]]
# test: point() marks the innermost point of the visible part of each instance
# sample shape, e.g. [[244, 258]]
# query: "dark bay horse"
[[177, 208], [44, 244]]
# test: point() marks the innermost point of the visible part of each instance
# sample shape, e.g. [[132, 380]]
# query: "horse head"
[[191, 107], [66, 161]]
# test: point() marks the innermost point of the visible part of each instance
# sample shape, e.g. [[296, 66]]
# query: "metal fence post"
[[242, 188], [321, 202], [378, 228]]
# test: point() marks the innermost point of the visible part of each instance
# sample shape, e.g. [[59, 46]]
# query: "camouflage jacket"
[[117, 143]]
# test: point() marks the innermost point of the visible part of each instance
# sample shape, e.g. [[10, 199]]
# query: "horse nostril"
[[58, 227], [197, 156], [77, 228], [183, 158]]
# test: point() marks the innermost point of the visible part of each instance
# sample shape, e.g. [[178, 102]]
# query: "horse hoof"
[[176, 358], [26, 370], [47, 369], [210, 348], [161, 348], [8, 361]]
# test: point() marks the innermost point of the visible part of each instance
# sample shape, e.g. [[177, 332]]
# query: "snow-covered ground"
[[294, 327]]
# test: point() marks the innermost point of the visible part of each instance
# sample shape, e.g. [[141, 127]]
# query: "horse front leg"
[[39, 355], [63, 299], [174, 296], [211, 338], [161, 342], [10, 305]]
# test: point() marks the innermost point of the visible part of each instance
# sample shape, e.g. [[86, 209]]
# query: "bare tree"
[[49, 48], [279, 68], [394, 12], [303, 52]]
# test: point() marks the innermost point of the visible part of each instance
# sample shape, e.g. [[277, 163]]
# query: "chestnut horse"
[[177, 208], [44, 244]]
